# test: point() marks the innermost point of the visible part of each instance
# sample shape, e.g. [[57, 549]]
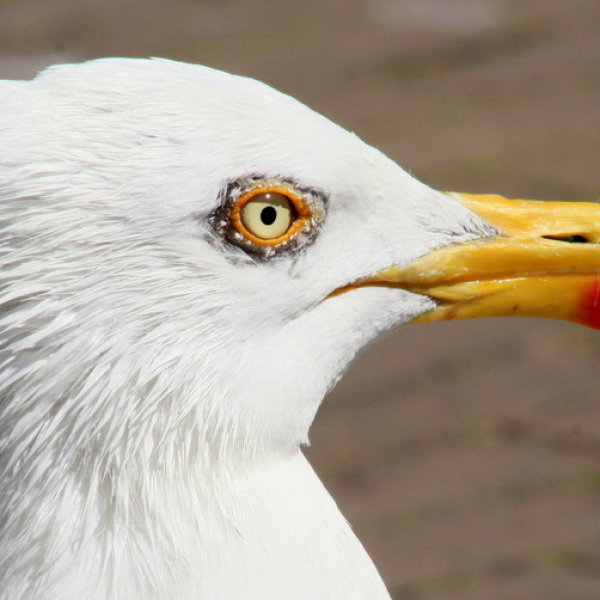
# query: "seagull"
[[189, 260]]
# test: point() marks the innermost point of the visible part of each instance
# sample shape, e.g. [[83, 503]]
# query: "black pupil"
[[268, 215]]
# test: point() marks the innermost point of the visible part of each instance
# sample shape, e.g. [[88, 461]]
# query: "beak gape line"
[[545, 263]]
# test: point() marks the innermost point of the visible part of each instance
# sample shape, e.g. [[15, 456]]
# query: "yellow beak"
[[544, 263]]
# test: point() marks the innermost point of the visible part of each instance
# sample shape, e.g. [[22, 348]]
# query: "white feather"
[[156, 385]]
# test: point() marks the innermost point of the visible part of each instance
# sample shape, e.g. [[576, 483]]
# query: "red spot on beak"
[[590, 305]]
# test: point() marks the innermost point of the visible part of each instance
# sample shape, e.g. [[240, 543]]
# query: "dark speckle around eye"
[[252, 207]]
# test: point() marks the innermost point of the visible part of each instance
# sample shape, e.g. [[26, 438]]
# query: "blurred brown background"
[[466, 455]]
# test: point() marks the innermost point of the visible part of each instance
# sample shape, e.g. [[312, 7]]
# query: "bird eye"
[[268, 216]]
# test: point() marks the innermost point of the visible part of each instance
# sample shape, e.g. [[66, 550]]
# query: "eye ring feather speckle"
[[308, 206]]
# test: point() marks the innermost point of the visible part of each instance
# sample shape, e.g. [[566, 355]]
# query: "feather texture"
[[156, 382]]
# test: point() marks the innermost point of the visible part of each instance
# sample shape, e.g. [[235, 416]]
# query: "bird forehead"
[[159, 140], [197, 100], [191, 125]]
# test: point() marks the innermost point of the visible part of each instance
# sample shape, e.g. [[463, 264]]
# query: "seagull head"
[[189, 261]]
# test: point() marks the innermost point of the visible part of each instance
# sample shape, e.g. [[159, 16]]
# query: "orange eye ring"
[[301, 214], [292, 220]]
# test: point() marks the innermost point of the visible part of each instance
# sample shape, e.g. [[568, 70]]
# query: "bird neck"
[[265, 530]]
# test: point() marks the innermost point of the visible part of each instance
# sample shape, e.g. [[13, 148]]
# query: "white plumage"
[[157, 381]]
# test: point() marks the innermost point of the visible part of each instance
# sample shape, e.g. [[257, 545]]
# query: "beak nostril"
[[571, 239]]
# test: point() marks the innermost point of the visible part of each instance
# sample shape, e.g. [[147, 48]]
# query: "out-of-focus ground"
[[466, 455]]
